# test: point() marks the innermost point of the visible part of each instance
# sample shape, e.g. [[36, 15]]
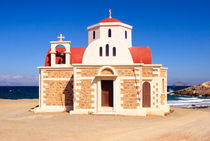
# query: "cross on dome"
[[61, 37], [110, 13]]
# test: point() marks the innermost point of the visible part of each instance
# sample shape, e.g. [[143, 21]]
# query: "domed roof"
[[139, 55], [109, 20]]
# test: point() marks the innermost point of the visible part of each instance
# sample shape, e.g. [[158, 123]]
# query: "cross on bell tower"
[[53, 52], [61, 37]]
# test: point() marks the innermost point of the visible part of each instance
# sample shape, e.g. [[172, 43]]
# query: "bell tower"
[[66, 53]]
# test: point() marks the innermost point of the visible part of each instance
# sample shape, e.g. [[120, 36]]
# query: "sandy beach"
[[18, 123]]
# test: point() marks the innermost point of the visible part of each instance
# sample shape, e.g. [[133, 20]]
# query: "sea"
[[32, 92]]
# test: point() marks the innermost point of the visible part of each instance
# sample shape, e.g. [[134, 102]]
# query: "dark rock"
[[202, 89]]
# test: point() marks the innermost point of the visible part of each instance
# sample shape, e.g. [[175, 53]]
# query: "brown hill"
[[202, 89], [178, 83]]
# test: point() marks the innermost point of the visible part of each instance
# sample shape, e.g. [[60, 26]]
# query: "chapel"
[[109, 76]]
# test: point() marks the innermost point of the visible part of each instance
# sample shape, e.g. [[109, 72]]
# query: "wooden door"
[[146, 94], [107, 93]]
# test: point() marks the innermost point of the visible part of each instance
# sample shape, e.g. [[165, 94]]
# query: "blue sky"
[[177, 31]]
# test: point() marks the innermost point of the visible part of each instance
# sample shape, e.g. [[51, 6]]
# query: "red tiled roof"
[[109, 20], [141, 55], [76, 55]]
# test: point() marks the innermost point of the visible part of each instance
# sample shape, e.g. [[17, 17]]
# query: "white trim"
[[58, 79], [53, 109], [84, 78], [75, 103], [118, 65], [40, 87], [109, 24], [82, 111], [57, 68], [128, 77], [116, 96], [60, 42], [164, 68], [77, 87]]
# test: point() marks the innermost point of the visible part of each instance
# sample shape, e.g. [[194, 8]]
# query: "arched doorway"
[[146, 95], [107, 93], [107, 90]]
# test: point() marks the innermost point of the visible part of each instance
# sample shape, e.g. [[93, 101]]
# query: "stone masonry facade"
[[58, 87], [77, 86]]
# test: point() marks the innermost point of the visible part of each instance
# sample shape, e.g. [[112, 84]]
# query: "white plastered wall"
[[117, 40], [117, 32], [92, 57], [90, 34]]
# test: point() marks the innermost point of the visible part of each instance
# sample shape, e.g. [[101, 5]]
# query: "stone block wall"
[[88, 72], [163, 73], [130, 86], [58, 73], [57, 87], [125, 71], [155, 95], [157, 77], [85, 84], [129, 91], [79, 88], [84, 91], [149, 72], [85, 95], [58, 93], [163, 96]]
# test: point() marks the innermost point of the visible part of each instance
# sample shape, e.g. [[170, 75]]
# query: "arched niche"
[[107, 70]]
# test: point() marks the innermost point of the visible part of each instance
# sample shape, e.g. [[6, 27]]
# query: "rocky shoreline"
[[202, 89]]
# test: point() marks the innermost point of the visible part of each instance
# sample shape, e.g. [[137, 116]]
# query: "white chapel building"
[[109, 76]]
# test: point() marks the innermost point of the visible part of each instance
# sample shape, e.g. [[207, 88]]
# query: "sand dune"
[[17, 123]]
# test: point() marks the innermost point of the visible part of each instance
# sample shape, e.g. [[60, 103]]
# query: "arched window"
[[109, 33], [94, 34], [125, 34], [146, 94], [100, 51], [107, 49], [114, 51]]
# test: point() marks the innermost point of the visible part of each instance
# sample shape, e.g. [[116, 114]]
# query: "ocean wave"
[[187, 98], [187, 101]]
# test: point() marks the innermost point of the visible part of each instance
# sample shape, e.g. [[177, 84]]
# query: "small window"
[[107, 50], [125, 34], [109, 33], [94, 34], [114, 51], [100, 51]]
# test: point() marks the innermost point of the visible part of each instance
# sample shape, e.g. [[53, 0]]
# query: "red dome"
[[109, 20]]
